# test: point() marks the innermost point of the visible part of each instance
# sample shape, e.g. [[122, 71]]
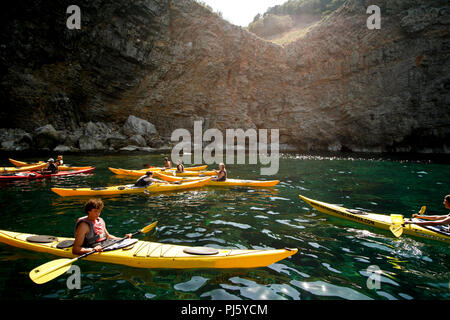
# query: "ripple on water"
[[220, 294], [194, 284], [252, 290], [321, 288], [234, 224]]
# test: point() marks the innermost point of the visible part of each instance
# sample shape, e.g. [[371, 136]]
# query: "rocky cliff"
[[339, 87]]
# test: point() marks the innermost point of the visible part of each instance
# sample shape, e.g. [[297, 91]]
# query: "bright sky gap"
[[240, 12]]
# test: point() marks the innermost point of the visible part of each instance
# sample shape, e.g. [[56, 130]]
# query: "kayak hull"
[[380, 221], [127, 189], [226, 183], [29, 175], [196, 168], [21, 169], [145, 254], [138, 173], [60, 168]]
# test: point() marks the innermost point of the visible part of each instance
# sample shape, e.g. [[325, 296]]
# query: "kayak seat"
[[41, 239], [65, 244], [201, 251], [120, 188]]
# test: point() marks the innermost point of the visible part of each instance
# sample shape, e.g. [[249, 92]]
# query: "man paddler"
[[90, 230]]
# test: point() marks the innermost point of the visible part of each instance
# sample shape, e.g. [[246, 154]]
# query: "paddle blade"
[[396, 229], [50, 270], [149, 227], [422, 210]]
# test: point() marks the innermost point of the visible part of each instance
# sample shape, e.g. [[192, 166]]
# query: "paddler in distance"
[[90, 230], [167, 163], [434, 220], [59, 160], [221, 174], [51, 167], [180, 167], [146, 180]]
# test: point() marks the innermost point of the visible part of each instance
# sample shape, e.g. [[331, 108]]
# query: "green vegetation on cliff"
[[308, 7], [292, 17]]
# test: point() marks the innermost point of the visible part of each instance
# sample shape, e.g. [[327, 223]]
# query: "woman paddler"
[[180, 167], [221, 174], [90, 230]]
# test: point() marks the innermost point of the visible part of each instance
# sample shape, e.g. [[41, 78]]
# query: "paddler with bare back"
[[433, 220]]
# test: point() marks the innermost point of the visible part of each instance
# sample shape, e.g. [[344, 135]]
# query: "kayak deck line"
[[347, 215]]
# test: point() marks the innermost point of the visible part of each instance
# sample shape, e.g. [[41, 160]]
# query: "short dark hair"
[[93, 204], [447, 198], [149, 173]]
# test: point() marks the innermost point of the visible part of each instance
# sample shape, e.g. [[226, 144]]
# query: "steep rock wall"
[[339, 87]]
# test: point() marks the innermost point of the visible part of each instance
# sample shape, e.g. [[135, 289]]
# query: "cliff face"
[[340, 87]]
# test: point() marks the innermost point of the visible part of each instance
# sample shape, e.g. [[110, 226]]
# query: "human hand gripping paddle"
[[53, 269], [398, 222]]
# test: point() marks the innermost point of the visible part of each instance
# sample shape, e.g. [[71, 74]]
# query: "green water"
[[333, 256]]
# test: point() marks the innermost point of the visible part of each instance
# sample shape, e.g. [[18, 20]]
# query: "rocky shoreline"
[[134, 135]]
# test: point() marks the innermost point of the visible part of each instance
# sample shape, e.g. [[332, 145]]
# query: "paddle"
[[51, 270], [398, 221], [422, 210]]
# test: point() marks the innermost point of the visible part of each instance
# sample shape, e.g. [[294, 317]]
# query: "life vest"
[[52, 168], [97, 231]]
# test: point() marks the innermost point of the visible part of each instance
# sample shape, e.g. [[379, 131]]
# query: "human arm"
[[157, 180], [428, 217], [444, 220]]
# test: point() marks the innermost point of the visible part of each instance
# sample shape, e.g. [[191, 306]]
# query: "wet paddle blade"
[[149, 227], [396, 229], [50, 270], [422, 210]]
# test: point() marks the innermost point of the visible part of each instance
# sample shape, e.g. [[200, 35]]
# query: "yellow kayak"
[[145, 254], [20, 169], [227, 183], [381, 221], [138, 173], [197, 168], [130, 188], [60, 168]]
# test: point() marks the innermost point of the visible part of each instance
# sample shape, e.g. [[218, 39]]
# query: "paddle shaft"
[[109, 245]]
